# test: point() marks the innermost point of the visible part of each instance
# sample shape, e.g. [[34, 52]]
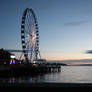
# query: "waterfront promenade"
[[45, 85]]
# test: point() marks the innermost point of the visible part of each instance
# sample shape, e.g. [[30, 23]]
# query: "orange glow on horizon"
[[79, 63], [67, 58]]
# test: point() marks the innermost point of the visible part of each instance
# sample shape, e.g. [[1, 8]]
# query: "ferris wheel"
[[30, 36]]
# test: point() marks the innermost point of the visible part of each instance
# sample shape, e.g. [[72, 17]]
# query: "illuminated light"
[[12, 56], [4, 62], [34, 64], [34, 35], [12, 80], [10, 61], [13, 62]]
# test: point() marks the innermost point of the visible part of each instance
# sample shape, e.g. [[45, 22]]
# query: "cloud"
[[88, 52], [75, 23]]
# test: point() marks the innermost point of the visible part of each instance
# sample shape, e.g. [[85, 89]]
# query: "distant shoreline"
[[78, 64]]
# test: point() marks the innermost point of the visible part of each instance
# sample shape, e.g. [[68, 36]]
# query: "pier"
[[14, 67], [29, 69], [49, 67], [30, 52]]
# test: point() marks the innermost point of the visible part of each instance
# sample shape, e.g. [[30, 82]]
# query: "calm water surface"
[[68, 74]]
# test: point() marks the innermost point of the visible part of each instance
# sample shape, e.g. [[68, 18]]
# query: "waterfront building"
[[4, 56], [7, 57]]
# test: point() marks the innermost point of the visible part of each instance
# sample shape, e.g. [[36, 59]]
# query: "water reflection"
[[30, 79], [12, 80], [69, 74]]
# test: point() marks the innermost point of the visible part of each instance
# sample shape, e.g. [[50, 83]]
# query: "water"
[[68, 74]]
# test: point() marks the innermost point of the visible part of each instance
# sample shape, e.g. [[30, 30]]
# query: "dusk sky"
[[65, 26]]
